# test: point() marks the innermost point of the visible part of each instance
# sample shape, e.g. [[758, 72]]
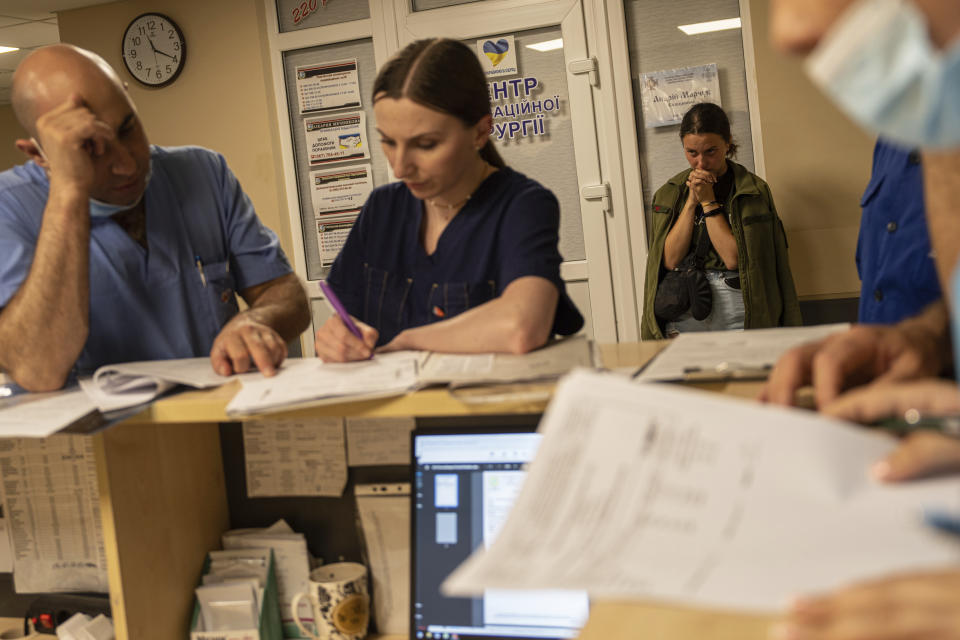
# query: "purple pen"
[[334, 302]]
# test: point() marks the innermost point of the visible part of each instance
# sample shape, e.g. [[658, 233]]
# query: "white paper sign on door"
[[327, 86], [340, 191], [338, 138]]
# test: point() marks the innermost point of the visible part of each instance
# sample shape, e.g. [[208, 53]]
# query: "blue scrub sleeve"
[[528, 238], [255, 253], [528, 247], [17, 244]]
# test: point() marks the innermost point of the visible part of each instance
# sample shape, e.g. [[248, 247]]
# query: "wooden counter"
[[164, 503]]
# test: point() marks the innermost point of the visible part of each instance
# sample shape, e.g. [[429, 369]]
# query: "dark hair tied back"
[[706, 117], [443, 75]]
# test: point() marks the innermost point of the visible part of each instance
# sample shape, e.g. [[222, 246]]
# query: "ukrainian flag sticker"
[[498, 56]]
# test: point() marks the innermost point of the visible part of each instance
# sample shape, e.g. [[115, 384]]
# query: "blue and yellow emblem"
[[496, 51]]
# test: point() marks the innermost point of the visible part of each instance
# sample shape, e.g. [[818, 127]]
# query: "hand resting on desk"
[[914, 348]]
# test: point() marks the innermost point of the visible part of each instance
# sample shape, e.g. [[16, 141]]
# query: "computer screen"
[[462, 489]]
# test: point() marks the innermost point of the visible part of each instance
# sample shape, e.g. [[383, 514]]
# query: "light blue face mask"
[[100, 209], [878, 64]]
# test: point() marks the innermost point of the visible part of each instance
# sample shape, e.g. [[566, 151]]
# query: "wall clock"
[[154, 49]]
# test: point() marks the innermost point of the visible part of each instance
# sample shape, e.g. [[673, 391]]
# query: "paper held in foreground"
[[642, 491]]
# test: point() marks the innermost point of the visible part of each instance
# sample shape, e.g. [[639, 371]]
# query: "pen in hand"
[[337, 307]]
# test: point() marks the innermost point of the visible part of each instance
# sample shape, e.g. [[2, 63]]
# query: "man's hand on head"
[[245, 343], [71, 137]]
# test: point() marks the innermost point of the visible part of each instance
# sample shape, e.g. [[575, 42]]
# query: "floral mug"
[[339, 598]]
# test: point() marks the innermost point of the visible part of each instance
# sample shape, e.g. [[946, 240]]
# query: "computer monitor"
[[464, 483]]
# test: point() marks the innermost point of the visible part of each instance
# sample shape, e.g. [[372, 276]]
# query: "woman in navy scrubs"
[[461, 254]]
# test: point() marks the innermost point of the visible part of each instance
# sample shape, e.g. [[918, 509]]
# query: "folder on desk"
[[710, 356]]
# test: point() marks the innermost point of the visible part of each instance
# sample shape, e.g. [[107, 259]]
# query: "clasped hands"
[[700, 183]]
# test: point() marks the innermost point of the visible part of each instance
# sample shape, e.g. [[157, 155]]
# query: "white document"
[[340, 191], [52, 505], [551, 361], [385, 517], [336, 138], [295, 457], [326, 86], [332, 233], [310, 381], [721, 355], [645, 491], [378, 441], [128, 384], [291, 562], [37, 415]]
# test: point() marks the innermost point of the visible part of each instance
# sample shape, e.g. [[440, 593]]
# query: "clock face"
[[154, 49]]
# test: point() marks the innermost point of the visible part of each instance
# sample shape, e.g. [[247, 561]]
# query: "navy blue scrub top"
[[508, 229], [894, 260]]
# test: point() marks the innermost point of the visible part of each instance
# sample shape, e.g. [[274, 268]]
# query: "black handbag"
[[686, 286]]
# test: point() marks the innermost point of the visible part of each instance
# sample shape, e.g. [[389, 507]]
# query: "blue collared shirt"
[[150, 304], [894, 260]]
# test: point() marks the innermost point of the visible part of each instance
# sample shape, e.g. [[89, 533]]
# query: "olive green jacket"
[[769, 296]]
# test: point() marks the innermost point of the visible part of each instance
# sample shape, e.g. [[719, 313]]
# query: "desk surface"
[[532, 398]]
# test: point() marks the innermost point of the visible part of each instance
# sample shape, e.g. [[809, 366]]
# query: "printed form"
[[312, 381], [642, 491], [378, 441], [295, 457], [37, 415], [52, 506]]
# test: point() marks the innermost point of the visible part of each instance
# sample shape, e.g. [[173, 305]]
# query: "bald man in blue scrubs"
[[114, 250]]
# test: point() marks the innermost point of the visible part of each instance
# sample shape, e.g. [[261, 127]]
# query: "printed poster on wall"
[[338, 138], [328, 86], [667, 95], [498, 57], [340, 191], [332, 232]]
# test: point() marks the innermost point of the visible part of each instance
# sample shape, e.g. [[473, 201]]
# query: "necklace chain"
[[457, 205]]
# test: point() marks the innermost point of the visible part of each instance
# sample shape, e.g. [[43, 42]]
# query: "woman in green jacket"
[[746, 254]]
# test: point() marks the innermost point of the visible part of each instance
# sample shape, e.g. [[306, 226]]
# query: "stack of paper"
[[128, 384], [37, 415], [291, 560], [310, 382], [646, 491], [547, 363]]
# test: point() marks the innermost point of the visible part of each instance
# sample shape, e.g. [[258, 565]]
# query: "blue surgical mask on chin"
[[878, 64], [100, 209]]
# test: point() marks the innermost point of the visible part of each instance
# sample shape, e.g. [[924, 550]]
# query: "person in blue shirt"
[[897, 272], [113, 250], [461, 254]]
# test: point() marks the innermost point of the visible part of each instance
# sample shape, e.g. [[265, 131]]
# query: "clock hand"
[[155, 61], [163, 53]]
